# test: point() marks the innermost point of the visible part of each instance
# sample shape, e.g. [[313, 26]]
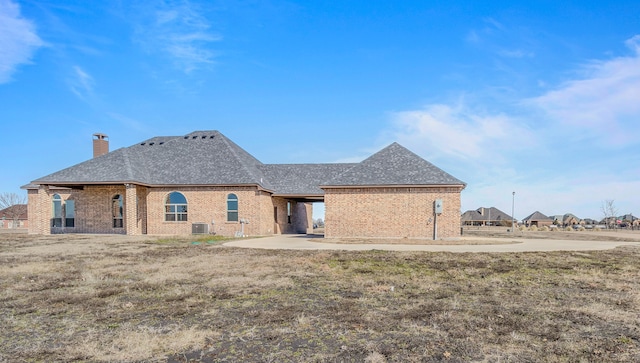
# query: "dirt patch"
[[419, 241], [589, 235], [115, 298]]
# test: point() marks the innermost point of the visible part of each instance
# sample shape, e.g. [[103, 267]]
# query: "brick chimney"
[[100, 144]]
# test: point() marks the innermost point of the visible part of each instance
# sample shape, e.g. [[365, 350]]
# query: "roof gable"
[[394, 165], [537, 216]]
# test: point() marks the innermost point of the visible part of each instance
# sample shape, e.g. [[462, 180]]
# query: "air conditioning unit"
[[199, 228]]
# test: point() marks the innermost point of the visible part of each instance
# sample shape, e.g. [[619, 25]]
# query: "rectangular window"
[[181, 213], [232, 216], [175, 213], [56, 218], [289, 212], [70, 213]]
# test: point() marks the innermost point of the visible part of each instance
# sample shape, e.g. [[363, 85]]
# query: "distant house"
[[203, 182], [589, 221], [537, 219], [570, 220], [15, 216], [486, 216], [628, 220]]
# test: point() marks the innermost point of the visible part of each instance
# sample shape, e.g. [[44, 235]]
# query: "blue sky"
[[537, 97]]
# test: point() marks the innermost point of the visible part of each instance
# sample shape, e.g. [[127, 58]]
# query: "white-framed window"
[[175, 207], [232, 208]]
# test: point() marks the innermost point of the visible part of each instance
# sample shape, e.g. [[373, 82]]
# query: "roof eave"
[[462, 186], [37, 183]]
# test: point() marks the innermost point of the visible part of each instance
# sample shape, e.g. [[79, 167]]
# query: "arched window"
[[232, 208], [56, 215], [117, 211], [175, 208]]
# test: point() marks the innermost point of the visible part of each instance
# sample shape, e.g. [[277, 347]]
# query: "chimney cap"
[[100, 136]]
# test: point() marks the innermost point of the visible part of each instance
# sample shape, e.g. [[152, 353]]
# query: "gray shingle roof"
[[483, 215], [210, 158], [394, 165], [302, 178], [199, 158], [537, 216]]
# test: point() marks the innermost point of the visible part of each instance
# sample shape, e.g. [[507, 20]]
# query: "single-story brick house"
[[537, 219], [203, 182], [14, 216], [486, 216]]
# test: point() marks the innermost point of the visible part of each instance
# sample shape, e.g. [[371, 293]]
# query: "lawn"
[[112, 298]]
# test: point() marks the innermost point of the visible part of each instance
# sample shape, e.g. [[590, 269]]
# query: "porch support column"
[[131, 210], [41, 209]]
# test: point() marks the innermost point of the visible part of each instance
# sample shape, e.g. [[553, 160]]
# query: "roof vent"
[[161, 142], [211, 137], [143, 143], [151, 143], [186, 137], [195, 137]]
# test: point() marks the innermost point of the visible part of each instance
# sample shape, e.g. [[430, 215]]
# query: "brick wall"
[[402, 212], [300, 220], [144, 211], [207, 205], [349, 212]]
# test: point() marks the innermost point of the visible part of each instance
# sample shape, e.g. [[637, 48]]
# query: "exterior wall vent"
[[199, 228]]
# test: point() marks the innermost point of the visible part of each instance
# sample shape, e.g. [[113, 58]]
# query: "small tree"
[[14, 206], [610, 212]]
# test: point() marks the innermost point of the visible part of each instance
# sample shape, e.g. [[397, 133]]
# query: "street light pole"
[[513, 203]]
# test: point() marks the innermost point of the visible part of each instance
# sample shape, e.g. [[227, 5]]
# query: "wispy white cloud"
[[604, 103], [81, 83], [537, 153], [127, 122], [181, 32], [499, 39], [515, 53], [457, 131], [18, 39]]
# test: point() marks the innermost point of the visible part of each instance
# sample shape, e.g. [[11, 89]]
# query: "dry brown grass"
[[108, 298]]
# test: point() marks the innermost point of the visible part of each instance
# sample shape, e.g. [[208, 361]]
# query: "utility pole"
[[513, 217]]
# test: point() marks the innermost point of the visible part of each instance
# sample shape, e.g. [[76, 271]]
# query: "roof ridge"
[[127, 163], [233, 147]]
